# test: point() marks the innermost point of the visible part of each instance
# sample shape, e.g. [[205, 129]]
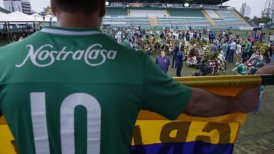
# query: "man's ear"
[[102, 8]]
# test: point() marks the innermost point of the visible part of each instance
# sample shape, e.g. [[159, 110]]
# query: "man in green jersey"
[[247, 49], [241, 69], [72, 90], [224, 48]]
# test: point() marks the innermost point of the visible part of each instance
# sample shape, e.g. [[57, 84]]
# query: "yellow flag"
[[154, 134]]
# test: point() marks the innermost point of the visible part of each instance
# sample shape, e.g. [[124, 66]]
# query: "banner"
[[153, 134], [7, 143]]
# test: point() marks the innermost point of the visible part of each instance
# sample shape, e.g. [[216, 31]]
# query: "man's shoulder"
[[240, 65]]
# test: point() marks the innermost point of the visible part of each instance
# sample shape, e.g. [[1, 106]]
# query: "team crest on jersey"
[[44, 56]]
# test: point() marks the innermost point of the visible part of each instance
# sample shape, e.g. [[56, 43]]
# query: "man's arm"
[[206, 104], [268, 69]]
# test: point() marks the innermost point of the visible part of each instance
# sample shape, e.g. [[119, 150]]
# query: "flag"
[[7, 143], [154, 134]]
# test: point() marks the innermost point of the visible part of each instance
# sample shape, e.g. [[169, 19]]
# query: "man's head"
[[245, 61], [163, 53], [87, 7], [182, 48]]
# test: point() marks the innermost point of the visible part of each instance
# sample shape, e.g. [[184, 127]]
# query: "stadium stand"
[[229, 20], [185, 12], [184, 22], [113, 12], [183, 18], [121, 21], [212, 14], [148, 13], [174, 17]]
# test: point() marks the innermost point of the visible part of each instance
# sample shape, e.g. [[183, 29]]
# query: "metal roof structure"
[[213, 2], [4, 10]]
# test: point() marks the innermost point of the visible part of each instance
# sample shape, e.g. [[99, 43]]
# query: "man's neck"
[[78, 20]]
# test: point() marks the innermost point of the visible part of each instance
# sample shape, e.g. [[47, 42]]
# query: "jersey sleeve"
[[162, 94]]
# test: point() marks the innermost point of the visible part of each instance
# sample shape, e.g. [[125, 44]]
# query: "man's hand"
[[268, 69], [206, 104], [247, 100]]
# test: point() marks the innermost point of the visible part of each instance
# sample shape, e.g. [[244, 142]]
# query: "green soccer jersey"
[[224, 48], [247, 47], [241, 69], [76, 91], [256, 64]]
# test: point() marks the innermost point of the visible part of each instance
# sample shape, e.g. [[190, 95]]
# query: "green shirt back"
[[247, 47], [75, 91], [241, 69]]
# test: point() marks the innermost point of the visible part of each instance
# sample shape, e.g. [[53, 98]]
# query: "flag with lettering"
[[153, 134]]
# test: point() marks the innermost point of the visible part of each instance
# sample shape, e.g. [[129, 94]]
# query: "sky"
[[36, 5], [256, 5]]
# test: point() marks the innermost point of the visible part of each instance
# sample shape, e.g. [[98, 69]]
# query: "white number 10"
[[39, 122]]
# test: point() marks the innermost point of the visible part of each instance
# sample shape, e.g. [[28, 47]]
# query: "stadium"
[[207, 44], [175, 14]]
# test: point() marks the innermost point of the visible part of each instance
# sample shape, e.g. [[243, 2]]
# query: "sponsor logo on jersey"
[[44, 56]]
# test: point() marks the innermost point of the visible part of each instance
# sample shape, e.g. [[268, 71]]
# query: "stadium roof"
[[4, 10], [173, 1]]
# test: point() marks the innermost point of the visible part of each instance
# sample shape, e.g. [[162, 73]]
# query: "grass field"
[[257, 134]]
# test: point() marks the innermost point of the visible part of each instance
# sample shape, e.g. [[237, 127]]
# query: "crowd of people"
[[199, 47], [203, 49]]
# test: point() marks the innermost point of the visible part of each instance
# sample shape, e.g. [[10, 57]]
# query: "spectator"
[[256, 55], [232, 48], [179, 62], [211, 37], [268, 54], [224, 48], [238, 53], [261, 90], [241, 69], [238, 39], [247, 49], [175, 51], [256, 64], [163, 61], [256, 61], [213, 46], [271, 38]]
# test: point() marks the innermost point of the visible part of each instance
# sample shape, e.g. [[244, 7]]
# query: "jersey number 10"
[[39, 122]]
